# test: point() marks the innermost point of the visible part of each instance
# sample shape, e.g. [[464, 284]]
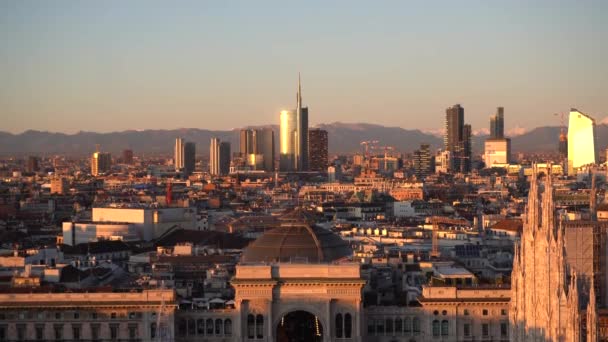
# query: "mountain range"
[[343, 138]]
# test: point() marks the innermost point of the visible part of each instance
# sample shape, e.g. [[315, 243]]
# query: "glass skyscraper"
[[582, 146]]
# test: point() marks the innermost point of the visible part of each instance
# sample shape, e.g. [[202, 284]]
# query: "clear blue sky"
[[113, 65]]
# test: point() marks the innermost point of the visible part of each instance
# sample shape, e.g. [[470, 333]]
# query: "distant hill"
[[343, 138]]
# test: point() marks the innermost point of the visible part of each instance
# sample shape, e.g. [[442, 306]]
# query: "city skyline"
[[65, 70]]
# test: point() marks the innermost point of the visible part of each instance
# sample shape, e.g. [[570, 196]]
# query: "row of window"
[[59, 315], [58, 332], [204, 327], [406, 326]]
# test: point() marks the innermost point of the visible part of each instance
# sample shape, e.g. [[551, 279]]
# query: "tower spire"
[[299, 97]]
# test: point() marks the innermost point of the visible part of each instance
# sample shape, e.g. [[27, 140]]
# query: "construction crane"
[[386, 153], [436, 221]]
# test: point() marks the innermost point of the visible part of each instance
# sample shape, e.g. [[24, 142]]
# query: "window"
[[339, 325], [39, 331], [76, 315], [485, 330], [348, 325], [95, 332], [485, 312], [58, 330], [218, 326], [250, 326], [76, 332], [57, 315], [389, 326], [444, 312], [504, 329], [94, 315], [371, 327], [407, 325], [114, 331], [182, 327], [467, 329], [227, 327], [380, 326], [20, 332], [113, 315], [435, 328], [445, 328], [200, 326], [466, 312], [416, 325], [153, 330], [259, 326], [398, 326], [503, 312], [191, 327], [132, 331], [131, 315], [209, 324], [3, 329]]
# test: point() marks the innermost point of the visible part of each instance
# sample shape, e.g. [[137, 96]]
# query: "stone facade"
[[545, 298]]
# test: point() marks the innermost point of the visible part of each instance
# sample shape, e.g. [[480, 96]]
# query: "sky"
[[114, 65]]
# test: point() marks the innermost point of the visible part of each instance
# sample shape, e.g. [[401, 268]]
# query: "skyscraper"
[[224, 161], [127, 156], [497, 124], [101, 162], [423, 165], [178, 155], [264, 141], [287, 139], [189, 158], [247, 142], [294, 136], [582, 146], [32, 164], [219, 157], [466, 151], [457, 138], [318, 144]]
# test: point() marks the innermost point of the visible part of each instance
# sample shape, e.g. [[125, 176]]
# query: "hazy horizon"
[[114, 66]]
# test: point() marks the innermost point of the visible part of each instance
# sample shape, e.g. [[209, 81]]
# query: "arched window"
[[435, 328], [209, 324], [250, 326], [218, 326], [445, 327], [371, 327], [416, 325], [339, 325], [200, 326], [407, 325], [348, 325], [227, 327], [398, 326], [153, 330], [191, 327], [259, 326]]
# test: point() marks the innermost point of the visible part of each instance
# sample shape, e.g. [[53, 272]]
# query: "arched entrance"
[[299, 326]]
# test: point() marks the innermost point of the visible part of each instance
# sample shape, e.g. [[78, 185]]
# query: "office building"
[[582, 145], [443, 161], [101, 162], [423, 161], [219, 157], [497, 151], [189, 158], [318, 149], [457, 138], [127, 156], [178, 155], [294, 136], [32, 164], [264, 141], [466, 150], [260, 143], [247, 142], [497, 124]]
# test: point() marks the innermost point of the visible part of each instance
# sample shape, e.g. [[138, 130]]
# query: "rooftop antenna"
[[97, 148]]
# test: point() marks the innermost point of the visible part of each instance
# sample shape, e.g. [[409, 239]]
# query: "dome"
[[297, 241]]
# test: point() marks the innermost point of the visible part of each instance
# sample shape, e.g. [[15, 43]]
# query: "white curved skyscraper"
[[582, 146]]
